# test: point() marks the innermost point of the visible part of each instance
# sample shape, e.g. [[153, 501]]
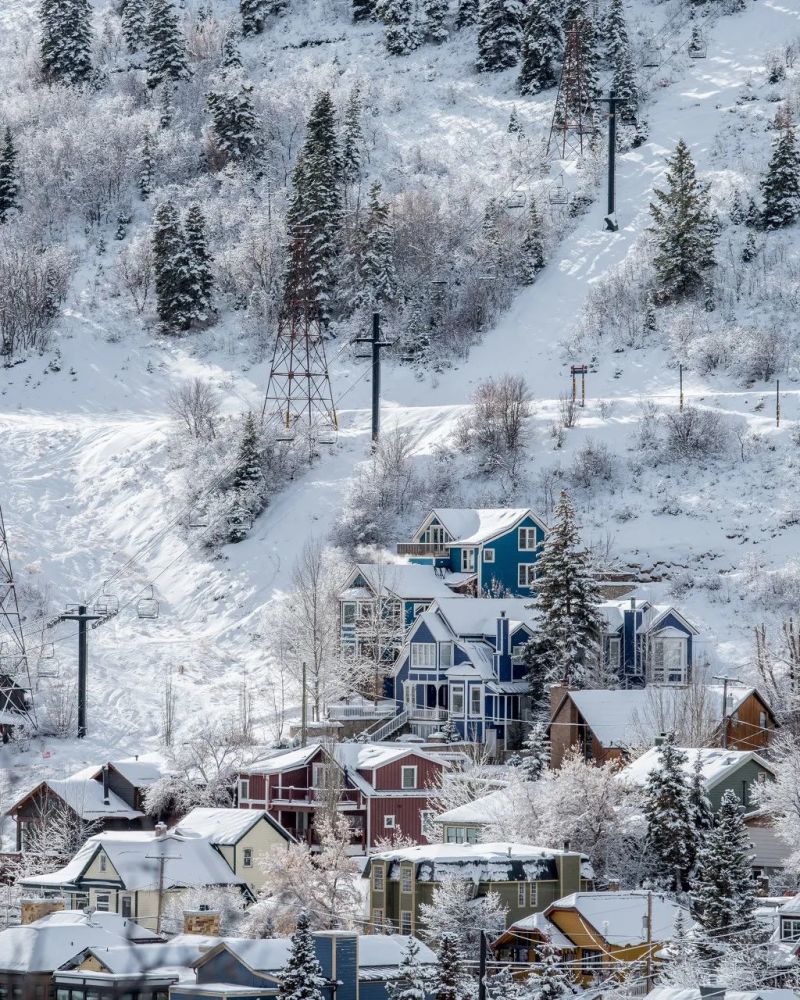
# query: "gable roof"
[[478, 615], [84, 796], [179, 953], [225, 827], [619, 918], [715, 764], [408, 581], [476, 525], [140, 773]]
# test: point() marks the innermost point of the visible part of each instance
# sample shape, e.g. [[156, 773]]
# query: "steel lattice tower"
[[574, 122], [299, 394], [15, 677]]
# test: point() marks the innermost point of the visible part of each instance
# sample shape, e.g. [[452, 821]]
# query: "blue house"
[[354, 966], [499, 546], [651, 643]]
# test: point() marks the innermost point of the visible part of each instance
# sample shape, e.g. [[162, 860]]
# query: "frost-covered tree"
[[402, 32], [542, 46], [377, 271], [353, 138], [449, 980], [434, 14], [683, 231], [499, 34], [66, 40], [253, 14], [569, 626], [699, 802], [723, 889], [166, 47], [615, 35], [467, 14], [200, 261], [624, 85], [779, 797], [166, 109], [247, 479], [549, 980], [364, 10], [681, 967], [532, 258], [301, 978], [455, 912], [231, 56], [134, 24], [9, 179], [780, 188], [504, 986], [412, 981], [671, 836], [146, 181], [172, 269], [235, 125], [536, 752]]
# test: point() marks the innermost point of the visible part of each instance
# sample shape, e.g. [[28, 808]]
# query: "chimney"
[[712, 993], [106, 799], [160, 830], [660, 740], [35, 909], [566, 845], [205, 922]]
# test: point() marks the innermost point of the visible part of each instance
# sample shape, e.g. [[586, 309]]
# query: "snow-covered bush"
[[594, 462], [493, 429], [693, 433], [34, 280]]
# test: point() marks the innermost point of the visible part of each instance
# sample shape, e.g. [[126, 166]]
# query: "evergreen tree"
[[650, 323], [172, 268], [702, 813], [780, 188], [671, 837], [723, 892], [616, 33], [532, 250], [254, 15], [681, 967], [536, 752], [752, 217], [315, 209], [402, 30], [450, 732], [378, 276], [364, 10], [624, 85], [514, 126], [499, 34], [737, 211], [550, 981], [200, 259], [248, 473], [435, 14], [234, 122], [231, 57], [542, 45], [353, 138], [449, 982], [166, 110], [411, 982], [66, 40], [166, 48], [134, 24], [684, 228], [568, 622], [147, 170], [301, 978], [9, 181], [503, 986], [468, 11], [749, 250]]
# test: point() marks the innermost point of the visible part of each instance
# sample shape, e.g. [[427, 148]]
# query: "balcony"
[[427, 714], [437, 550], [349, 798], [361, 710]]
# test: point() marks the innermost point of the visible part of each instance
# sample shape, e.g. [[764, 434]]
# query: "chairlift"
[[107, 603], [47, 651], [698, 46], [651, 56], [558, 194], [517, 199], [327, 436], [147, 607], [239, 517]]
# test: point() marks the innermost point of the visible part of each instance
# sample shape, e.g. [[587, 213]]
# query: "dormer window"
[[434, 534], [445, 654], [423, 654], [668, 658]]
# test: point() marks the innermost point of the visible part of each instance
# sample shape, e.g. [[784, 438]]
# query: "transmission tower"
[[15, 675], [574, 123], [299, 394]]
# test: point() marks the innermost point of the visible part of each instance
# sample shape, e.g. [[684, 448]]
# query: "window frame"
[[316, 769], [457, 691], [102, 862], [476, 689], [244, 788], [378, 878], [662, 672], [389, 822], [406, 922], [348, 606], [468, 560], [247, 857], [611, 659], [126, 903], [406, 879], [527, 533], [522, 893], [446, 653], [790, 921], [533, 894], [377, 919], [526, 575], [106, 902], [415, 771], [430, 655], [488, 555]]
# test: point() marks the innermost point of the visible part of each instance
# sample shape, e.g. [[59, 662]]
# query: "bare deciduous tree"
[[195, 404], [493, 429], [135, 271]]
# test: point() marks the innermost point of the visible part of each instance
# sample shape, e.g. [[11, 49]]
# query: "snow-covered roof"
[[83, 793], [480, 811], [435, 624], [621, 917], [388, 949], [285, 760], [473, 526], [48, 943], [354, 756], [191, 860], [180, 952], [407, 581], [479, 663], [715, 764], [140, 773], [539, 922], [694, 993], [221, 826], [479, 615]]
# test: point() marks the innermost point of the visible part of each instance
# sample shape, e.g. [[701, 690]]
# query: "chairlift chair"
[[558, 194], [147, 607], [698, 46], [47, 651], [650, 55], [107, 603], [239, 517], [517, 199]]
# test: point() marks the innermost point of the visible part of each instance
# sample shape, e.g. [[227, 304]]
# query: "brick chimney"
[[205, 922], [35, 909], [557, 692]]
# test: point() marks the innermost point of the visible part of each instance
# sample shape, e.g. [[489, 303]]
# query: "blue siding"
[[226, 968]]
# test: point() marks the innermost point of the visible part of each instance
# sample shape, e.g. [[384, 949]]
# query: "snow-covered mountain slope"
[[87, 489]]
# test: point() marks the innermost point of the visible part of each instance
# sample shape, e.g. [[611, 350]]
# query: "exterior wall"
[[747, 730], [742, 783], [388, 777], [407, 817], [770, 852], [262, 839], [587, 939], [31, 985], [95, 870]]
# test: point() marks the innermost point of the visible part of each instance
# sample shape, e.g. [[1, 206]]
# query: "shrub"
[[693, 432]]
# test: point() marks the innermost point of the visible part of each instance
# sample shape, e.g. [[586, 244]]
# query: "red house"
[[383, 789]]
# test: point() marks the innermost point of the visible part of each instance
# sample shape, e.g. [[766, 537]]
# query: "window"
[[126, 907], [244, 788], [433, 535], [533, 894], [488, 555], [521, 893], [377, 920], [762, 777], [102, 902], [423, 654], [790, 929], [408, 776], [420, 609], [16, 993], [318, 775], [445, 654], [592, 960], [405, 921], [669, 661], [377, 878], [388, 822], [762, 720], [527, 539], [468, 560], [38, 992], [60, 995], [103, 863], [457, 700], [348, 613], [247, 859], [475, 701], [365, 611], [406, 879], [612, 655], [526, 574]]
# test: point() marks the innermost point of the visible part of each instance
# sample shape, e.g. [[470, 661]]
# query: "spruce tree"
[[467, 14], [667, 809], [147, 170], [254, 15], [231, 57], [172, 268], [551, 980], [411, 981], [377, 273], [448, 982], [66, 40], [699, 804], [301, 978], [200, 260], [166, 48], [532, 249], [134, 24], [616, 32], [315, 209], [684, 232], [542, 45], [624, 85], [499, 34], [568, 621], [353, 138], [9, 180], [536, 752], [723, 891], [166, 109], [234, 122], [364, 10], [402, 31], [780, 188], [434, 17], [578, 11], [514, 126], [749, 250]]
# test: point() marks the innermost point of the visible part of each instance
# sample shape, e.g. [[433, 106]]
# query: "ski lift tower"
[[574, 125], [13, 658]]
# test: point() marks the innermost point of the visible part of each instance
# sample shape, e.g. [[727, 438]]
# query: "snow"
[[476, 526], [48, 943], [83, 793], [482, 810], [715, 765], [219, 826], [407, 581], [179, 953], [539, 922], [140, 773], [479, 616], [477, 862], [674, 993], [621, 917]]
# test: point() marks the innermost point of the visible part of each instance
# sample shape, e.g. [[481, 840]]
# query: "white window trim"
[[103, 862], [247, 857], [389, 822], [405, 922], [793, 925], [377, 919], [446, 648], [533, 894], [377, 879], [468, 560], [417, 661], [457, 689], [526, 574], [614, 659], [475, 690], [403, 769], [488, 555], [354, 606], [521, 894], [244, 788], [406, 878], [661, 674], [524, 533], [106, 902]]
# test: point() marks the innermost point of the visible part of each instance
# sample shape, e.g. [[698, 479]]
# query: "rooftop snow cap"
[[160, 831]]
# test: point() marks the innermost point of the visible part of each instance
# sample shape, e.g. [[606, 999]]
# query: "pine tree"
[[532, 250], [248, 472], [752, 217], [234, 122], [378, 276], [468, 12], [147, 170], [737, 211], [682, 967], [699, 805], [166, 48], [166, 110], [411, 981], [435, 14], [723, 891], [616, 33], [315, 209], [301, 978], [172, 268], [202, 279], [448, 982], [9, 181], [364, 10], [650, 322], [66, 40], [578, 11], [684, 228], [749, 250], [536, 752], [353, 138], [499, 34], [568, 622], [450, 732], [514, 126], [254, 15], [231, 57], [402, 31], [780, 188], [503, 986], [542, 45], [134, 24], [551, 980], [624, 85], [667, 809]]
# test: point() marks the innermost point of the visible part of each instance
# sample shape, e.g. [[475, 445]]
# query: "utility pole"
[[610, 221], [680, 383], [649, 959], [777, 403], [80, 615], [303, 708], [725, 681], [162, 859], [376, 343], [482, 968]]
